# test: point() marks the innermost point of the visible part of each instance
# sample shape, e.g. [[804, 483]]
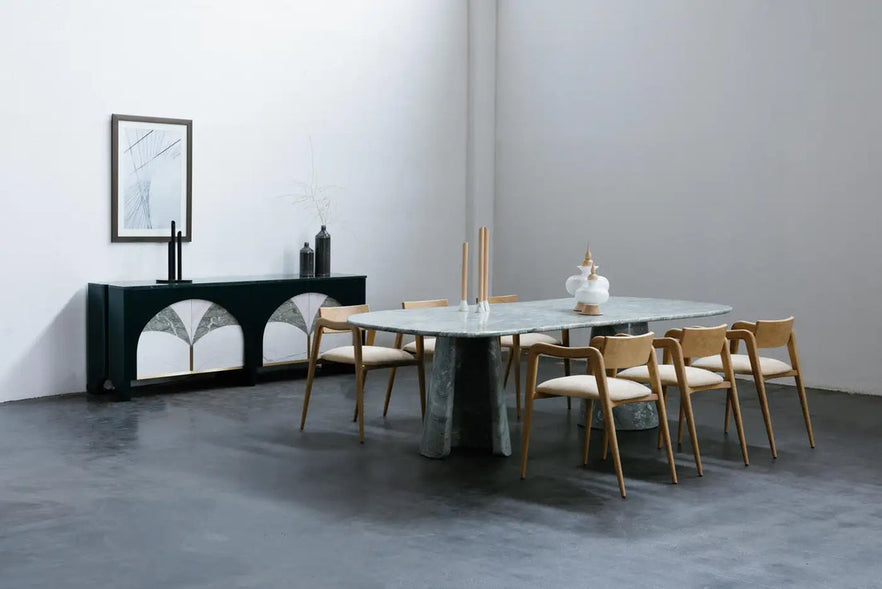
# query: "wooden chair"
[[680, 345], [522, 343], [757, 336], [363, 357], [428, 343], [605, 356]]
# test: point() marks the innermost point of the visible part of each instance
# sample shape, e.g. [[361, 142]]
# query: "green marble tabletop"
[[531, 316]]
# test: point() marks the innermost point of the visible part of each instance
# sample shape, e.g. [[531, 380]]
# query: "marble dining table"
[[465, 406]]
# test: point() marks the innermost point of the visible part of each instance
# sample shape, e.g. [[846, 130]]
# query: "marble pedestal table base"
[[465, 407], [633, 416]]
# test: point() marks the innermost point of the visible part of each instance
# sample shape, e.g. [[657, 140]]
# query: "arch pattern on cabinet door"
[[288, 334], [194, 335]]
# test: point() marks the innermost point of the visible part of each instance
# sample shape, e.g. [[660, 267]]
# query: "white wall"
[[718, 151], [380, 87]]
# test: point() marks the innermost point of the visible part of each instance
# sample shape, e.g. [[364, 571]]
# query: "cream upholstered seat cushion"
[[369, 355], [585, 385], [428, 346], [695, 377], [741, 364], [528, 340]]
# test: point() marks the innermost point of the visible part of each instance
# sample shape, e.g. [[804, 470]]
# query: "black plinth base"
[[167, 281]]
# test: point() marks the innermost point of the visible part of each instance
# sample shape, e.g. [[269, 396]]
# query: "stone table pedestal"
[[465, 407]]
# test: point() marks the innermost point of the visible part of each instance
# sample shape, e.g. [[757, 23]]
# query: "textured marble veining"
[[530, 316]]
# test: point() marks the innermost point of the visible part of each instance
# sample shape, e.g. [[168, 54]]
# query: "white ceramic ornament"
[[594, 292]]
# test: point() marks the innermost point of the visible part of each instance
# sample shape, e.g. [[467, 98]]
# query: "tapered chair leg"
[[516, 366], [359, 401], [728, 411], [525, 436], [664, 431], [739, 425], [421, 372], [614, 443], [565, 340], [359, 383], [588, 419], [680, 423], [686, 403], [389, 391], [764, 406], [310, 377], [507, 370], [664, 399], [605, 446], [805, 410], [567, 373]]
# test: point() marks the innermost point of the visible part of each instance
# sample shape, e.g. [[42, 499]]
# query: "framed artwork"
[[150, 177]]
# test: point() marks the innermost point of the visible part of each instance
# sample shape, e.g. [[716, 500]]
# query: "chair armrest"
[[322, 323], [556, 351], [671, 346], [737, 335], [674, 333], [744, 325]]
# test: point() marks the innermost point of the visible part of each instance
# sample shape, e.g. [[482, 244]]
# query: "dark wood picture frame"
[[115, 229]]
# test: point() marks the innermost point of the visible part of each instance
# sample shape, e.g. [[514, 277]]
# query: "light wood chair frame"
[[754, 340], [675, 355], [515, 351], [601, 366], [420, 341], [334, 320]]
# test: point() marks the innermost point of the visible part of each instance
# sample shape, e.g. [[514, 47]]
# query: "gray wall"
[[712, 151]]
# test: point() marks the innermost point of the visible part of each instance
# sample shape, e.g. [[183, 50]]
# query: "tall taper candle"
[[465, 271], [171, 254], [180, 257], [480, 264], [486, 263]]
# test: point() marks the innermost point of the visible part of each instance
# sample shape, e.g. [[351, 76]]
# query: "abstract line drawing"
[[288, 333], [150, 177], [150, 154], [209, 338]]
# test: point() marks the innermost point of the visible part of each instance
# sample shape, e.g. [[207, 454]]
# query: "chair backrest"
[[698, 342], [502, 299], [424, 304], [624, 351], [773, 334], [342, 314]]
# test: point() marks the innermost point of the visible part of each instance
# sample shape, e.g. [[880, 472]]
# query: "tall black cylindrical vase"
[[307, 261], [323, 253]]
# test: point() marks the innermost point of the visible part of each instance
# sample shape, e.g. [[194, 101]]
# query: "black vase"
[[323, 253], [307, 261]]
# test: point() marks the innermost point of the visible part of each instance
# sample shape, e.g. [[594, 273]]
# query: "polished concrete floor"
[[218, 488]]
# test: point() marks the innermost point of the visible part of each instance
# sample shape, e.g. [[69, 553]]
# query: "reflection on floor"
[[218, 488]]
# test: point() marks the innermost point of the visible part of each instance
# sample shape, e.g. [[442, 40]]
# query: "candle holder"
[[172, 259]]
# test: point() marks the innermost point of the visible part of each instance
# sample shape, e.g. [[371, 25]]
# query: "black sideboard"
[[119, 312]]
